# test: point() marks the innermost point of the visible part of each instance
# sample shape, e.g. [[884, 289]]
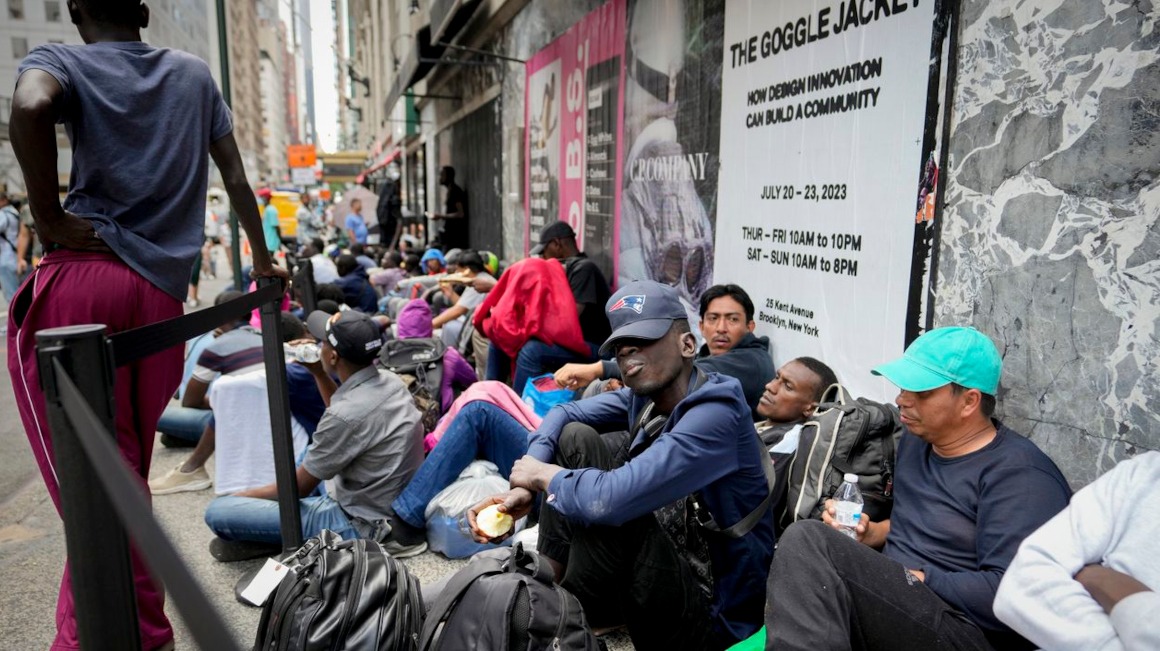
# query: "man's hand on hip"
[[72, 232]]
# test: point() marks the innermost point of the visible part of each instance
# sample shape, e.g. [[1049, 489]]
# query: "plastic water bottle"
[[308, 353], [848, 505], [305, 353]]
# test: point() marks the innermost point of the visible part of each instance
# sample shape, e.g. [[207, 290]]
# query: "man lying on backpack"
[[967, 491], [730, 347], [369, 440], [614, 523], [790, 398]]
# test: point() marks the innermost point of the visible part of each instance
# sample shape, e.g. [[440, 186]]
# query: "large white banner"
[[823, 115]]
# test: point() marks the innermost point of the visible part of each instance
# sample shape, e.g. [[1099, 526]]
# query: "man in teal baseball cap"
[[967, 491], [962, 356], [942, 372]]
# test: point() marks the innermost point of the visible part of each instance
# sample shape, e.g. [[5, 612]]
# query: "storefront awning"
[[411, 70], [442, 12], [448, 17]]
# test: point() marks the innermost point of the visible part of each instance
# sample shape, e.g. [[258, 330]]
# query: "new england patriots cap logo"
[[634, 302]]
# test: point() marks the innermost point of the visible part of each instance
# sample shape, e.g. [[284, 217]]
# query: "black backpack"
[[342, 594], [844, 435], [419, 364], [510, 605]]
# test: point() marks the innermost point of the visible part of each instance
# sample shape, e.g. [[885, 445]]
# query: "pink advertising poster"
[[574, 106]]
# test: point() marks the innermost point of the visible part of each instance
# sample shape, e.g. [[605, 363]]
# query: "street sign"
[[301, 155], [302, 175]]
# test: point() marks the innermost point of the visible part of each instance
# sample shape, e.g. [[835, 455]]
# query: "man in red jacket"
[[589, 288]]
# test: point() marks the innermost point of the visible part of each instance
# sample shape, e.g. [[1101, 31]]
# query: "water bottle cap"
[[850, 477]]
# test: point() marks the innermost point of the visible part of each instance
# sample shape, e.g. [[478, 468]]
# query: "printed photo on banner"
[[573, 150], [672, 109], [543, 153]]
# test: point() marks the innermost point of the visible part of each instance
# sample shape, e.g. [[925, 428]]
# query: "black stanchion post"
[[307, 288], [98, 549], [284, 471]]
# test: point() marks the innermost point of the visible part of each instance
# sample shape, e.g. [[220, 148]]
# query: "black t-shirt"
[[590, 289], [961, 519], [388, 211], [455, 228]]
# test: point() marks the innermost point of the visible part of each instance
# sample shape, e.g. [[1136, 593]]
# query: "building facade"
[[178, 24], [1046, 236], [245, 83], [26, 24], [181, 25]]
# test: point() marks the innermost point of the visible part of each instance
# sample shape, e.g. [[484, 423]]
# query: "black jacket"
[[749, 361]]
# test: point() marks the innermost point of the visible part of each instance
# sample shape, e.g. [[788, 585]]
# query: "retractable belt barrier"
[[77, 373], [139, 343], [304, 281]]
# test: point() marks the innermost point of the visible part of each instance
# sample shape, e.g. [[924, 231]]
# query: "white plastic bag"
[[445, 513], [477, 481]]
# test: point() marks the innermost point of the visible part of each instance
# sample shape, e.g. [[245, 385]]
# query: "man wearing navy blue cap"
[[623, 522], [968, 491]]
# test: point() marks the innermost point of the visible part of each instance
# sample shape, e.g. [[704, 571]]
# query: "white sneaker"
[[176, 481]]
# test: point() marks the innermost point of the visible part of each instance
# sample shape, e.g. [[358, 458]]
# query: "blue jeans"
[[9, 278], [480, 431], [451, 331], [184, 422], [257, 520], [535, 358]]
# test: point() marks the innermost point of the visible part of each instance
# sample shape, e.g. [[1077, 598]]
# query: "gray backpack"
[[844, 435], [419, 364]]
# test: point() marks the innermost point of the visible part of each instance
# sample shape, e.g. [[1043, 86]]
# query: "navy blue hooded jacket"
[[707, 445], [357, 289]]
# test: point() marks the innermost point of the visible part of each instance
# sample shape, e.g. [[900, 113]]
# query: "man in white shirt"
[[1088, 578]]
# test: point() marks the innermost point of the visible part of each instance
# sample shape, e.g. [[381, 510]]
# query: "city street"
[[32, 547], [959, 196]]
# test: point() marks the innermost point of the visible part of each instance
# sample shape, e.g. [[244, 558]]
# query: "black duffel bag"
[[342, 594]]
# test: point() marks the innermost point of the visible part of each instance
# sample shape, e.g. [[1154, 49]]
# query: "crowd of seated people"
[[664, 407]]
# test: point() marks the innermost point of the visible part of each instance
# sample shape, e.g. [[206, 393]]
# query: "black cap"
[[553, 231], [353, 334], [644, 309], [469, 258]]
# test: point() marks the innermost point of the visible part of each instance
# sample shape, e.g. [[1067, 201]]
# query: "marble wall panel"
[[1050, 241]]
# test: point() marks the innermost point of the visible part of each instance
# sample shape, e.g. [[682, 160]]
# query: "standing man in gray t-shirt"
[[142, 122], [369, 440]]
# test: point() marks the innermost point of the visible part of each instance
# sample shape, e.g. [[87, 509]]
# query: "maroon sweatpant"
[[76, 288]]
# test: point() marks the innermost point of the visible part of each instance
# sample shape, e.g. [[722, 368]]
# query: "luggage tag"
[[266, 581]]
